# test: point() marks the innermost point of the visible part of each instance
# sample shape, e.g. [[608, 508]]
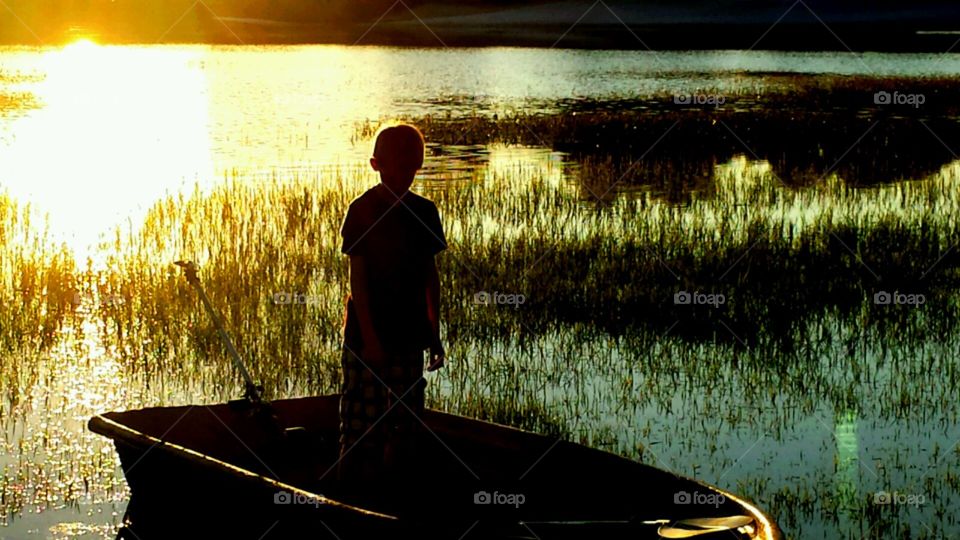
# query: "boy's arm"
[[437, 354], [359, 289]]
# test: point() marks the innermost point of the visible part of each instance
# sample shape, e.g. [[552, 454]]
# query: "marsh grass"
[[817, 127], [46, 458], [599, 352], [801, 146], [252, 244], [37, 294], [591, 355], [16, 102], [609, 268]]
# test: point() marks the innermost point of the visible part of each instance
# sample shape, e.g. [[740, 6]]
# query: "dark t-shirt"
[[397, 240]]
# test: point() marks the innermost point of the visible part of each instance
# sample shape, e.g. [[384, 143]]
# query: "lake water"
[[95, 135], [137, 122]]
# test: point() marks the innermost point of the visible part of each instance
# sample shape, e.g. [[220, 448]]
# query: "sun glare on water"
[[118, 127], [81, 45]]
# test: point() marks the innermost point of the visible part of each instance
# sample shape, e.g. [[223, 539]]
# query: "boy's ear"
[[374, 165]]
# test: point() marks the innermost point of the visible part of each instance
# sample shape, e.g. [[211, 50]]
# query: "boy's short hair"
[[400, 145]]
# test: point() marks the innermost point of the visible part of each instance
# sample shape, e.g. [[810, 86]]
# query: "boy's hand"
[[437, 357]]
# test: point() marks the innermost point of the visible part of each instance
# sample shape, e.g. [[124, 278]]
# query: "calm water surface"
[[109, 129]]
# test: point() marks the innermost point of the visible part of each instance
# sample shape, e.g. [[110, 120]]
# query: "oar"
[[253, 392]]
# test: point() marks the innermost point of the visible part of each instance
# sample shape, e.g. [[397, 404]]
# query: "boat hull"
[[223, 469]]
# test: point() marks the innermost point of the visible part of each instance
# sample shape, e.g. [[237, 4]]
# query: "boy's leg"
[[405, 428], [362, 404]]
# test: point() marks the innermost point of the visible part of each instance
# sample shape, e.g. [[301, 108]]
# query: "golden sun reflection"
[[81, 45], [118, 128]]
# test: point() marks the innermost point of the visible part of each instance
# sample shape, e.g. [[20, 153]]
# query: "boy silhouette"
[[391, 236]]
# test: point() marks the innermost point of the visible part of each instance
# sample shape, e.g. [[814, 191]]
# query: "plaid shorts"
[[369, 409]]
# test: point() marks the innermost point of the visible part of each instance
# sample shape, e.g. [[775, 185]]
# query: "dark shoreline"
[[783, 37], [935, 37]]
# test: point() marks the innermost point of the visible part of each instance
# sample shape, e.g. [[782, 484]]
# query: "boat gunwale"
[[117, 431]]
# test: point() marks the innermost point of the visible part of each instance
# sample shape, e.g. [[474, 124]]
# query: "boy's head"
[[397, 156]]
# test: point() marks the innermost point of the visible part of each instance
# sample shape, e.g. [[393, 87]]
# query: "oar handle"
[[190, 272]]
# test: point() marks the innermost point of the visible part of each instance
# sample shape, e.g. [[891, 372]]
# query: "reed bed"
[[16, 102], [36, 297], [808, 130], [599, 351], [270, 258], [599, 341]]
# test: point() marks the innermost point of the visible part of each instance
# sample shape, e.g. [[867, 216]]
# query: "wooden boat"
[[218, 471]]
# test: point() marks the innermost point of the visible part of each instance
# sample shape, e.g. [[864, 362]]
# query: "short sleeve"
[[352, 232], [436, 241]]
